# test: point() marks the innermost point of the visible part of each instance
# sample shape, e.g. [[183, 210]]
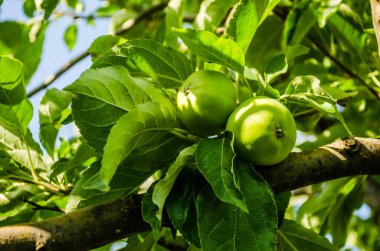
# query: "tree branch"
[[343, 158], [83, 229], [128, 25], [95, 226]]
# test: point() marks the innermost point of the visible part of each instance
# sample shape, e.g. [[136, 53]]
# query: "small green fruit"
[[205, 100], [264, 130]]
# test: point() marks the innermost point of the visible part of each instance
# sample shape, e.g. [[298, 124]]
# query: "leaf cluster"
[[317, 57]]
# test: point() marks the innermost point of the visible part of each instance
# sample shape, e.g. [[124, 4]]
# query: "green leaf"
[[95, 118], [11, 70], [147, 57], [279, 64], [282, 202], [299, 21], [49, 6], [265, 89], [25, 44], [211, 13], [112, 85], [173, 18], [213, 49], [180, 204], [15, 115], [350, 199], [163, 187], [334, 207], [261, 206], [81, 157], [245, 21], [306, 91], [140, 242], [296, 50], [223, 226], [292, 236], [276, 66], [146, 128], [350, 36], [149, 209], [70, 36], [215, 158], [12, 88], [52, 111], [265, 44], [29, 8], [81, 197], [104, 95], [103, 43], [16, 139]]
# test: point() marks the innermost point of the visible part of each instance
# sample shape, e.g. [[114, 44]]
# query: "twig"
[[46, 185], [39, 207], [129, 24], [348, 71], [345, 69]]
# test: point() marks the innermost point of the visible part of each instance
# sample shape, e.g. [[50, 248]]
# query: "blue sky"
[[56, 54]]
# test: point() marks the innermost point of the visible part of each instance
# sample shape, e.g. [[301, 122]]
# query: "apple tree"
[[156, 166]]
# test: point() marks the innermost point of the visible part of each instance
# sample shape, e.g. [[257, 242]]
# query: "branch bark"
[[95, 226], [83, 229]]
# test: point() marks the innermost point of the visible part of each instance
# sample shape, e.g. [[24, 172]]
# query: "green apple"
[[264, 130], [205, 101]]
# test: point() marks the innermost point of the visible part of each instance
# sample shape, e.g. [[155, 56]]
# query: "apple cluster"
[[264, 129]]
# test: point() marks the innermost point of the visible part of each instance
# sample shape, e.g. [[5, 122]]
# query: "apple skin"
[[205, 100], [264, 131]]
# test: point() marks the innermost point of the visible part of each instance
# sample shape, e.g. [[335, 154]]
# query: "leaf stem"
[[51, 187]]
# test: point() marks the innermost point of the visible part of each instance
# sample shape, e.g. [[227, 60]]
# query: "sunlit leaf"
[[148, 58], [103, 43], [21, 45], [146, 128], [70, 35], [15, 115], [213, 49], [52, 111], [211, 13], [245, 21]]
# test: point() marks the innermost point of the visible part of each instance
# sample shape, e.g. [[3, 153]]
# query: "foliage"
[[317, 57]]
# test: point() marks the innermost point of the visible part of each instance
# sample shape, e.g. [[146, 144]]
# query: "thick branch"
[[95, 226], [347, 157], [83, 229]]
